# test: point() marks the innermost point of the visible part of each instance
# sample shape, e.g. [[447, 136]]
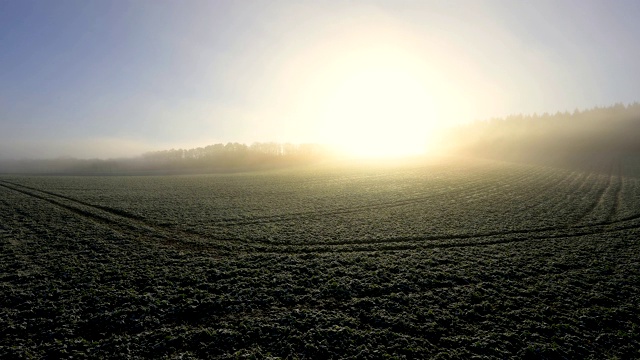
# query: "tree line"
[[564, 138], [611, 132], [229, 157]]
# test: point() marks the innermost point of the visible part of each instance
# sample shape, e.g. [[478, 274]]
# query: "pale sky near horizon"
[[118, 78]]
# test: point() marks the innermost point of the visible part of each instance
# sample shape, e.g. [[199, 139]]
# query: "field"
[[444, 260]]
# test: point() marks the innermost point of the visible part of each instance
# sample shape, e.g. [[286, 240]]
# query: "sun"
[[375, 91], [379, 103], [379, 112]]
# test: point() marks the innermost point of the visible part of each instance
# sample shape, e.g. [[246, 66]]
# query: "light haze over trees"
[[577, 138]]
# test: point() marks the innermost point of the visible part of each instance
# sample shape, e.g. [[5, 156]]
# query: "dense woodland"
[[576, 138]]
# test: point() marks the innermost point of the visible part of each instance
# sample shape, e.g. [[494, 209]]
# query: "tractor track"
[[280, 217], [459, 241], [314, 214], [136, 226], [118, 222], [598, 199], [617, 197]]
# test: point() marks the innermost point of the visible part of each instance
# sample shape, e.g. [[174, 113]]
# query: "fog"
[[229, 157], [583, 139], [90, 148], [591, 139], [108, 80]]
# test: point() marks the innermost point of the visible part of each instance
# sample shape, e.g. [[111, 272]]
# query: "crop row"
[[452, 262], [358, 207], [73, 285]]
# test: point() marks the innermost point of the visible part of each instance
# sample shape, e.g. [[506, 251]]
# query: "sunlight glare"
[[380, 110], [380, 91]]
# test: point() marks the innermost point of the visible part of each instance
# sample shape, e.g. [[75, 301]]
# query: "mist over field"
[[370, 79], [575, 139], [319, 180], [580, 139]]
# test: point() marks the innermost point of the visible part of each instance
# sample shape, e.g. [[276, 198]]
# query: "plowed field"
[[438, 260]]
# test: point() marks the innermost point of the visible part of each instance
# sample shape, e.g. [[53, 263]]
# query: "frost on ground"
[[440, 260]]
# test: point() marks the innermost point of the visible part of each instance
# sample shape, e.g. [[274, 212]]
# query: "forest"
[[564, 139]]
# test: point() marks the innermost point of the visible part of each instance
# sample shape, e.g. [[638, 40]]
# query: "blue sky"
[[118, 78]]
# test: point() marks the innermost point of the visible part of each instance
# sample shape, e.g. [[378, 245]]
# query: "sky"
[[107, 79]]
